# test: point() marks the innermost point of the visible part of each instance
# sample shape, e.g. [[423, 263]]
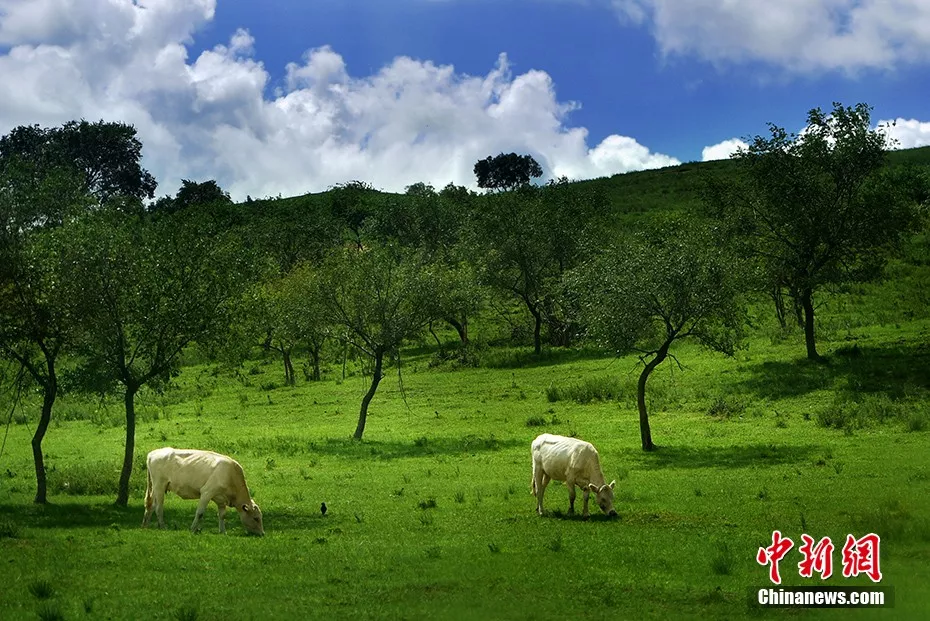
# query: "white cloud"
[[907, 133], [798, 35], [722, 150], [215, 116]]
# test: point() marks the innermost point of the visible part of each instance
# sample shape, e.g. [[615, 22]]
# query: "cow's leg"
[[201, 509], [158, 498], [541, 481], [571, 497], [149, 501], [586, 493], [221, 509]]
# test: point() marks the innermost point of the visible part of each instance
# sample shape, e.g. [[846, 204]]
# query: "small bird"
[[323, 508]]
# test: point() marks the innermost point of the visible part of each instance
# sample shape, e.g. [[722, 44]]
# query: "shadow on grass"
[[178, 517], [348, 448], [72, 515], [527, 359], [559, 514], [896, 370], [743, 456], [419, 447]]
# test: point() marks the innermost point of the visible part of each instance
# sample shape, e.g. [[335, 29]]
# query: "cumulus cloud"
[[218, 116], [798, 35], [722, 150], [907, 133]]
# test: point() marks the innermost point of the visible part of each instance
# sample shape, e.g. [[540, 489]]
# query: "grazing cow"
[[575, 462], [204, 475]]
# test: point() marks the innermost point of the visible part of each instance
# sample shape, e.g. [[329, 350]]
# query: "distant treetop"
[[506, 171]]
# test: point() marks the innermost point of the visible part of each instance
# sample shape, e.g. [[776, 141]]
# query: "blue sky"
[[289, 96], [676, 105]]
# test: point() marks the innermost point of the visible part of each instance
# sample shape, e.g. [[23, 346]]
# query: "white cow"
[[575, 462], [199, 474]]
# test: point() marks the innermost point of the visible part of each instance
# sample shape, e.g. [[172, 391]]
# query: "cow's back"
[[558, 455], [186, 471]]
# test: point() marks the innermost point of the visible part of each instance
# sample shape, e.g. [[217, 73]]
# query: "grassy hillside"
[[675, 188], [431, 515]]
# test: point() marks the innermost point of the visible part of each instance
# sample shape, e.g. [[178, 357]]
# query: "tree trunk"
[[461, 327], [537, 345], [345, 357], [779, 299], [122, 496], [48, 400], [436, 336], [808, 304], [315, 359], [288, 367], [375, 380], [644, 431]]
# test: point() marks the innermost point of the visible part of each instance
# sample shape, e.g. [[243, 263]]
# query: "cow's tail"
[[149, 488], [533, 480]]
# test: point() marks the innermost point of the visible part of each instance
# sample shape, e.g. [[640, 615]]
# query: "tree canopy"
[[105, 156], [506, 171], [657, 286], [818, 208]]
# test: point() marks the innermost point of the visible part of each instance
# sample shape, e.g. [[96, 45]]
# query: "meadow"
[[430, 516]]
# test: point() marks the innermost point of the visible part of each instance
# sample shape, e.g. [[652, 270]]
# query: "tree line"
[[102, 287]]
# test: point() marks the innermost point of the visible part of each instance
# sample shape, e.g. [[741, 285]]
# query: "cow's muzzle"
[[613, 513]]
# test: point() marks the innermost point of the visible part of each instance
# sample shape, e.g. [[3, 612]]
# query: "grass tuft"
[[50, 612], [722, 561], [41, 589], [186, 613], [9, 529], [604, 388]]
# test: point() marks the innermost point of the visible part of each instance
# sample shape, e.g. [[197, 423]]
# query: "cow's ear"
[[594, 488], [246, 507], [612, 483]]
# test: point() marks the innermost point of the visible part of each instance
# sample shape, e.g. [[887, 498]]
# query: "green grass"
[[431, 516]]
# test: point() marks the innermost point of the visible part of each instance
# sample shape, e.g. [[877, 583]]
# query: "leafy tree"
[[351, 204], [104, 156], [289, 312], [35, 327], [145, 291], [527, 240], [658, 287], [817, 209], [192, 193], [506, 171], [292, 231], [382, 295], [432, 223]]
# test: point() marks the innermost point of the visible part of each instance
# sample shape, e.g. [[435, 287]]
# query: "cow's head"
[[251, 517], [604, 496]]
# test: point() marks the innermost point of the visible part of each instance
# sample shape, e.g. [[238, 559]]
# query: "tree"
[[192, 193], [817, 209], [104, 156], [382, 296], [506, 171], [351, 205], [144, 291], [35, 326], [288, 312], [432, 224], [658, 287], [526, 241]]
